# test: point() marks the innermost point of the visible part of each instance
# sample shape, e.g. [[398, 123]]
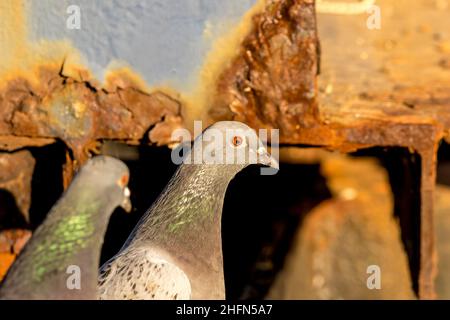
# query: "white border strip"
[[344, 8]]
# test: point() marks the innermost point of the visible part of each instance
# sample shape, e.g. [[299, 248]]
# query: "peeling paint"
[[225, 48], [27, 53], [22, 58]]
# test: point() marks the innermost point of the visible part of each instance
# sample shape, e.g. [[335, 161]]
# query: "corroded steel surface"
[[272, 82], [79, 114], [11, 243], [344, 235], [16, 171]]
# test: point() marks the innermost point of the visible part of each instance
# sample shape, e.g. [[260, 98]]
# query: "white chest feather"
[[142, 276]]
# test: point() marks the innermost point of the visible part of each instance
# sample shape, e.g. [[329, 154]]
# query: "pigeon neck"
[[191, 205], [71, 235], [85, 211], [198, 192], [185, 223]]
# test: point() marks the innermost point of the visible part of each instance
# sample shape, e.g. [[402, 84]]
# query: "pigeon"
[[62, 258], [175, 250]]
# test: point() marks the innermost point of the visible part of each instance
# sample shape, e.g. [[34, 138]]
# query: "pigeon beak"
[[126, 203], [266, 159]]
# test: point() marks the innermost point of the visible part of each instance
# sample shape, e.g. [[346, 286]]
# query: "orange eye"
[[236, 141], [123, 181]]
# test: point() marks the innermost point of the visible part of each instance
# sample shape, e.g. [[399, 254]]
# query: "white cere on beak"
[[261, 151]]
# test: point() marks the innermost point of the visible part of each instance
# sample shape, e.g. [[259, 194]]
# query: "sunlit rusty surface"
[[16, 171], [80, 115], [395, 85], [11, 243], [272, 83], [443, 246], [371, 92], [344, 235]]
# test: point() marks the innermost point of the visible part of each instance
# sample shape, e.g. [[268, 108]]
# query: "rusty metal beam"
[[368, 96]]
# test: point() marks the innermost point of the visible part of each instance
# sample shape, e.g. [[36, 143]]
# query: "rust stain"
[[272, 82], [122, 78], [22, 58], [225, 48], [80, 114], [46, 93], [6, 260], [11, 243], [16, 171]]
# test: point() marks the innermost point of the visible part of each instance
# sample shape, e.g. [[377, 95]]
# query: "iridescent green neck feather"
[[190, 205], [72, 234]]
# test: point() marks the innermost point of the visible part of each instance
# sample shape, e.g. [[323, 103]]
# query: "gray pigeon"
[[61, 259], [175, 251]]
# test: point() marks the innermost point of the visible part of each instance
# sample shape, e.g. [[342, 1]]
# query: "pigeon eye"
[[123, 181], [236, 141]]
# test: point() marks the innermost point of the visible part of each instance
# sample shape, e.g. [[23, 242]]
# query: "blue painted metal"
[[162, 40]]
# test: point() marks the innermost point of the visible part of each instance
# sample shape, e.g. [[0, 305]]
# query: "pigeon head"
[[231, 143], [110, 173]]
